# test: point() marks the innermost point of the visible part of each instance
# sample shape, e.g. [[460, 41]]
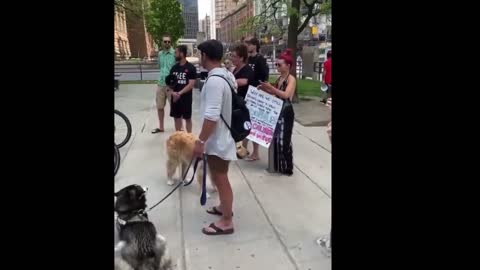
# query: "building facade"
[[121, 44], [205, 27], [222, 8], [190, 17], [229, 26], [141, 42]]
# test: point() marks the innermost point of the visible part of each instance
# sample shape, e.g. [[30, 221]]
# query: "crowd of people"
[[243, 68]]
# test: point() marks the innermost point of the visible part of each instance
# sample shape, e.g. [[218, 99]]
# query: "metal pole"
[[271, 165], [274, 50]]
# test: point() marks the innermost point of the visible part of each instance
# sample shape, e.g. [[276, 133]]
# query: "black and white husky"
[[140, 247]]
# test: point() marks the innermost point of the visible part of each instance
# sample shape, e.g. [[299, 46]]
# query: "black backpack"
[[241, 124]]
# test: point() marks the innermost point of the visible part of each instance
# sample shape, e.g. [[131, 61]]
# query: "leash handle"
[[203, 197]]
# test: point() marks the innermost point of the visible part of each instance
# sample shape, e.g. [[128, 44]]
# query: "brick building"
[[229, 25], [121, 44], [221, 8], [141, 42]]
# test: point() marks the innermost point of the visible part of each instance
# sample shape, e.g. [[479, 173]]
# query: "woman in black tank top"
[[284, 88]]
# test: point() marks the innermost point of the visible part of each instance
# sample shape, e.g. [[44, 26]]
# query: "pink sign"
[[264, 112]]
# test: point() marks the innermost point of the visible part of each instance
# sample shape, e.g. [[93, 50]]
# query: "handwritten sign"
[[264, 112]]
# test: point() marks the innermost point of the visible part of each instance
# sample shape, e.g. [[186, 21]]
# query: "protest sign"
[[264, 112]]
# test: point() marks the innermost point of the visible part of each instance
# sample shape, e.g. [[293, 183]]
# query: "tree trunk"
[[292, 41]]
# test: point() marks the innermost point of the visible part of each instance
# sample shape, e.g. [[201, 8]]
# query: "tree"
[[164, 16], [300, 12]]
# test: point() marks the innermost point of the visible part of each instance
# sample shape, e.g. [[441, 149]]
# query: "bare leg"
[[178, 124], [161, 115], [226, 201], [255, 155], [188, 124], [245, 143]]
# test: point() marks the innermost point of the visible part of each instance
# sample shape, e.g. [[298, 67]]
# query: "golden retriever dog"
[[179, 151]]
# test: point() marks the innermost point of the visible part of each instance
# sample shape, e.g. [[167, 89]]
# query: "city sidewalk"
[[277, 218]]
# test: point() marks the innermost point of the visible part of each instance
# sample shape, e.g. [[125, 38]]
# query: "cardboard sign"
[[264, 112]]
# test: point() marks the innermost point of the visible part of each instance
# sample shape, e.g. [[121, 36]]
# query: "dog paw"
[[170, 182]]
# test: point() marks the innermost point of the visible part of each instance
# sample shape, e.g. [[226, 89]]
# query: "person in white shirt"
[[215, 139]]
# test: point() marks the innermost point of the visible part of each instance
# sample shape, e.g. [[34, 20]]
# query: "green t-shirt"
[[166, 60]]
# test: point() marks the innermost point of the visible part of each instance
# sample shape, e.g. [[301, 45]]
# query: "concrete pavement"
[[311, 112], [277, 218]]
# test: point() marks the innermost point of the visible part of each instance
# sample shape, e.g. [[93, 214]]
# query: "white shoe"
[[324, 243]]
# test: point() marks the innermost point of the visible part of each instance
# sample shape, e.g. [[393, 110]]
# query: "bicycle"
[[122, 129], [116, 159]]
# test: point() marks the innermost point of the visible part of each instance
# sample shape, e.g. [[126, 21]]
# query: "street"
[[277, 218]]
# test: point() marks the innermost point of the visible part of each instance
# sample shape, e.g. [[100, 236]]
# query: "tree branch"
[[311, 13], [305, 22]]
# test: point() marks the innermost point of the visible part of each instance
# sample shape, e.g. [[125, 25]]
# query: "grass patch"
[[309, 88], [139, 82]]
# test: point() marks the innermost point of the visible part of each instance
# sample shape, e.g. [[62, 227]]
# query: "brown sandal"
[[218, 231]]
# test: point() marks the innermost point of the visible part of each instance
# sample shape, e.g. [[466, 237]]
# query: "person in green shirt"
[[166, 60]]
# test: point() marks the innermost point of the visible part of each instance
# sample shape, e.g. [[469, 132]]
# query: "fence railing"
[[140, 70], [149, 70]]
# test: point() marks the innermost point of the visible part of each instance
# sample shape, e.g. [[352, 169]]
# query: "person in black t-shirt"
[[243, 72], [244, 76], [186, 75], [257, 62], [260, 68]]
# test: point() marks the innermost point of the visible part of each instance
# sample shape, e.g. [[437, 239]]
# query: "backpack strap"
[[233, 93]]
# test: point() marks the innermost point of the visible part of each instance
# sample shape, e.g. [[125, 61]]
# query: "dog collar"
[[139, 216]]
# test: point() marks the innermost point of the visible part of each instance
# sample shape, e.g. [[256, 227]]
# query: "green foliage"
[[326, 7], [164, 16]]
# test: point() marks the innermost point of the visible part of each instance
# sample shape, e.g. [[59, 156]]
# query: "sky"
[[204, 7]]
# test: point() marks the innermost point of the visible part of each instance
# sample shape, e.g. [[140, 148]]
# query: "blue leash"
[[203, 197]]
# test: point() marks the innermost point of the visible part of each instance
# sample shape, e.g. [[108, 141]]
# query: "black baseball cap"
[[212, 48]]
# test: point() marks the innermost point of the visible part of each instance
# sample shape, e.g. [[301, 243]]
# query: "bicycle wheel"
[[122, 129], [116, 159]]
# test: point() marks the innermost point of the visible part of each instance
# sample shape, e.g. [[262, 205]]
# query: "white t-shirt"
[[216, 99]]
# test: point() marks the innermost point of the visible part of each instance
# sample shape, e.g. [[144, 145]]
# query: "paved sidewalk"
[[277, 218], [311, 112]]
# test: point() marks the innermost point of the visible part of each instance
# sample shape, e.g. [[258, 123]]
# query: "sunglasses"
[[167, 41], [277, 64]]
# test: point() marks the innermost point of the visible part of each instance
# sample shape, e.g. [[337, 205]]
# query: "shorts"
[[182, 108], [217, 164], [161, 97]]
